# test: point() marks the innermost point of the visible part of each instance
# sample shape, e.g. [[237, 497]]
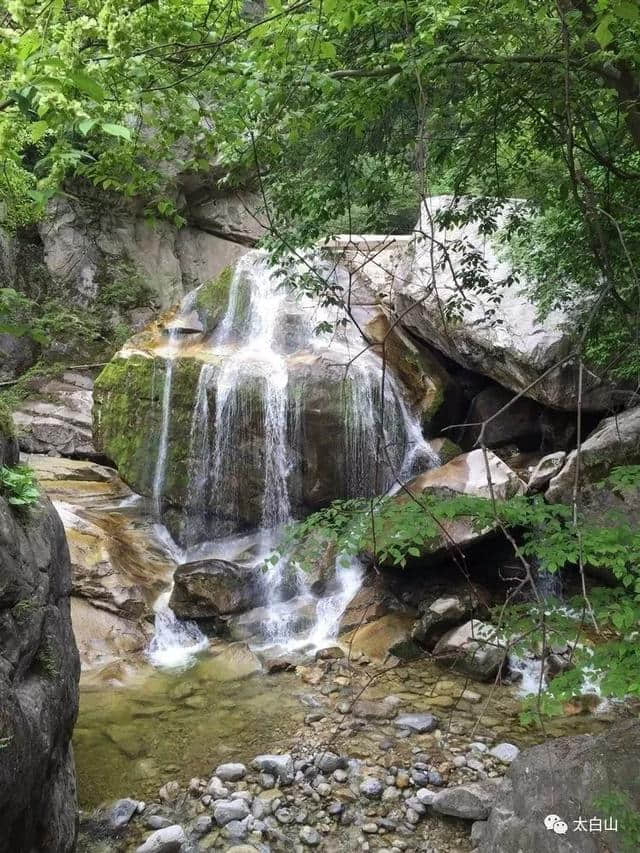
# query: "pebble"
[[370, 828], [166, 840], [309, 836], [421, 723], [371, 788], [226, 811], [505, 752], [231, 772]]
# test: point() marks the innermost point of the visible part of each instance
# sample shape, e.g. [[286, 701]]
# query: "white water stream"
[[247, 388]]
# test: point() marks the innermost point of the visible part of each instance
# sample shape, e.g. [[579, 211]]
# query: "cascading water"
[[250, 422], [174, 643]]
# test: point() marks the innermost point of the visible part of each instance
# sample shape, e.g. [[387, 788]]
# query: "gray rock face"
[[471, 649], [167, 840], [471, 802], [9, 450], [58, 419], [514, 352], [565, 777], [39, 671], [211, 588], [616, 441], [235, 217]]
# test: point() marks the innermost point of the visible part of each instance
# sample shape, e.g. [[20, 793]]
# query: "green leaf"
[[603, 34], [86, 125], [117, 130], [88, 85], [627, 10], [327, 50], [38, 130]]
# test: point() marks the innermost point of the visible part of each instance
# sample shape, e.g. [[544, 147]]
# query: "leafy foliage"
[[394, 531], [18, 485]]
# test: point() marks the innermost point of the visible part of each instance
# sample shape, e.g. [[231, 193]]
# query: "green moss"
[[128, 420], [7, 427], [212, 298]]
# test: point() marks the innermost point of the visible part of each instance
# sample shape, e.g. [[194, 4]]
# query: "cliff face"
[[39, 671]]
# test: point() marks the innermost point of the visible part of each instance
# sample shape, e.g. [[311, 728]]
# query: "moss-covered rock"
[[211, 299], [127, 419], [446, 449], [9, 452]]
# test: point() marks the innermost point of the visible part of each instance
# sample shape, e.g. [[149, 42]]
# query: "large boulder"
[[616, 441], [39, 671], [472, 649], [522, 422], [467, 474], [506, 339], [210, 588], [568, 779]]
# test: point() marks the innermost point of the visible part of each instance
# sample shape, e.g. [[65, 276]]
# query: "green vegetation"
[[7, 427], [397, 531], [18, 485]]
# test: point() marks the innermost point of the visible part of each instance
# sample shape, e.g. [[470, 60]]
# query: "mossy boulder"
[[127, 418], [211, 299]]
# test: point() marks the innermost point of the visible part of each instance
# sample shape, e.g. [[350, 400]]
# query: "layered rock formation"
[[39, 672]]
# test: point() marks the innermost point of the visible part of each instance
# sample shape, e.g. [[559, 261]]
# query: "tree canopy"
[[345, 111]]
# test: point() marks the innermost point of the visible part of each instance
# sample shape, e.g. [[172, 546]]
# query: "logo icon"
[[555, 822]]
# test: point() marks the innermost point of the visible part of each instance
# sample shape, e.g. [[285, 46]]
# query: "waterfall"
[[161, 461], [174, 643], [247, 440]]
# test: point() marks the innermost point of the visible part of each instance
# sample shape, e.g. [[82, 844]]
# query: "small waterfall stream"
[[250, 385]]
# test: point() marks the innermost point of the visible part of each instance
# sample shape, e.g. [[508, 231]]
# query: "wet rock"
[[235, 661], [210, 588], [167, 840], [421, 723], [390, 634], [471, 649], [280, 766], [471, 801], [121, 813], [225, 811], [371, 788], [505, 752], [231, 772]]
